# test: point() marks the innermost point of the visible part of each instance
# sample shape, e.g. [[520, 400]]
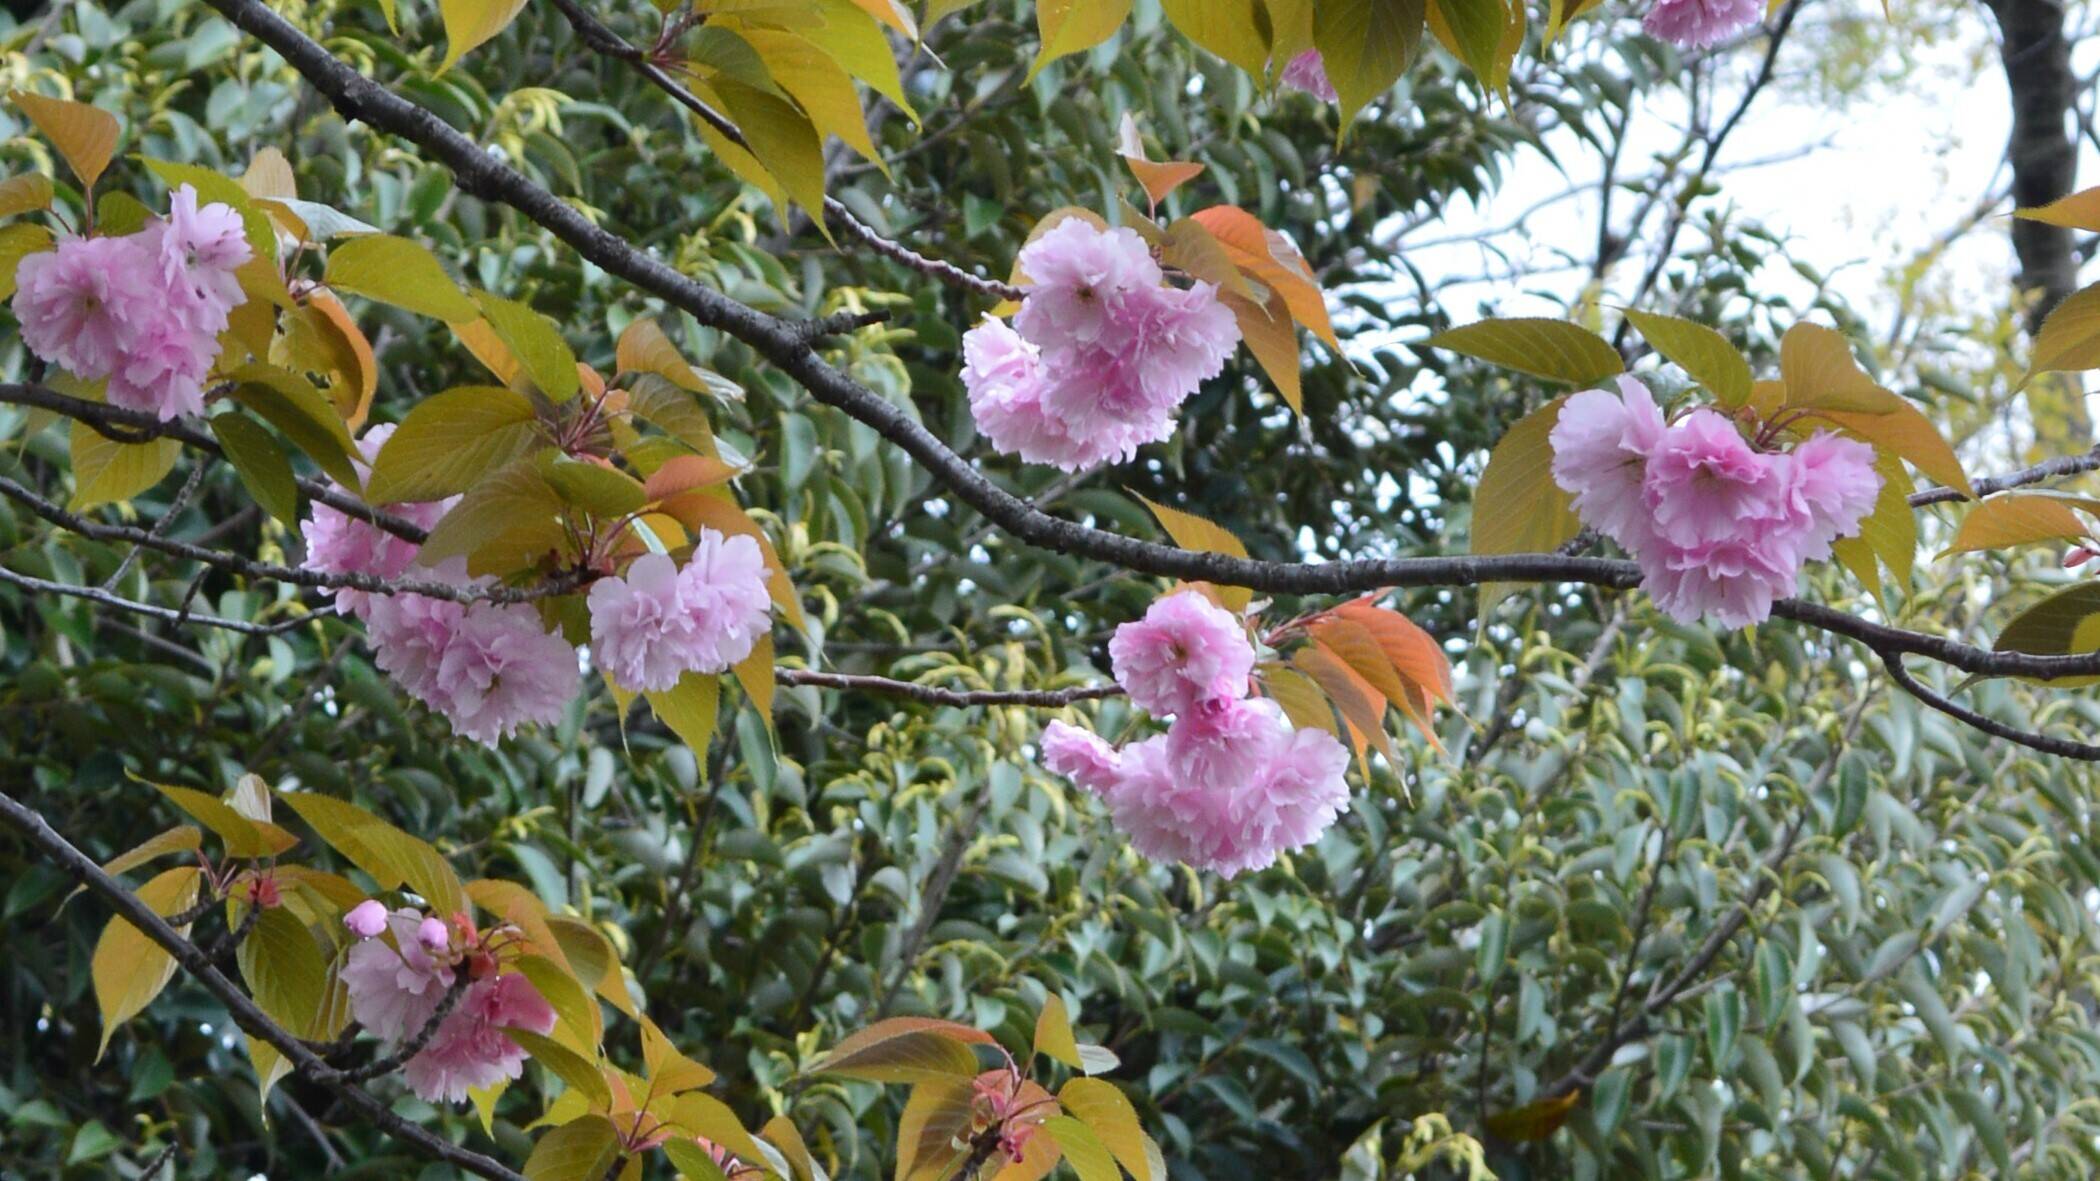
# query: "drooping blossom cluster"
[[489, 668], [1230, 785], [1101, 354], [142, 311], [1308, 72], [1697, 24], [1719, 527], [398, 984], [659, 621]]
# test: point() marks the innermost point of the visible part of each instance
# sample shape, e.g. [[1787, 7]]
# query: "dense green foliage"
[[1838, 936]]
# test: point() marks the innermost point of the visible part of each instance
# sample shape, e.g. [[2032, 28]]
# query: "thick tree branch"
[[133, 426], [244, 1011], [2037, 59]]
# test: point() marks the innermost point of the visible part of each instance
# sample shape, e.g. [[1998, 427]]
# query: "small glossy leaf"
[[1552, 349]]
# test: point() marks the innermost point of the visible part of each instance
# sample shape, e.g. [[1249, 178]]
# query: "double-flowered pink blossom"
[[1229, 800], [338, 543], [1719, 527], [1230, 785], [1308, 72], [1697, 24], [397, 986], [142, 311], [659, 622], [489, 668], [1187, 652], [1101, 355]]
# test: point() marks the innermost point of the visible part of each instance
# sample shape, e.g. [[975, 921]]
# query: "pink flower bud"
[[2077, 556], [367, 919], [434, 935]]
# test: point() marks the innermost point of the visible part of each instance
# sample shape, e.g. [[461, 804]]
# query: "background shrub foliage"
[[1668, 902]]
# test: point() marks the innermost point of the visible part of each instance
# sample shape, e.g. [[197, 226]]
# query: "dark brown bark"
[[2044, 155]]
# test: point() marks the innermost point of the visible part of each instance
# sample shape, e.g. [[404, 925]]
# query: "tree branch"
[[935, 695], [2065, 747], [244, 1011]]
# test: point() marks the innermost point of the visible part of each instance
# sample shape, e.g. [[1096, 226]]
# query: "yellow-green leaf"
[[288, 976], [1701, 352], [1366, 45], [399, 272], [1073, 26], [297, 407], [24, 194], [449, 441], [1083, 1150], [1517, 508], [244, 838], [536, 343], [935, 1115], [128, 968], [2066, 623], [782, 140], [511, 519], [469, 23], [580, 1150], [906, 1049], [85, 135], [1228, 28], [2070, 337], [1053, 1032], [689, 709], [264, 469], [390, 856], [2079, 211], [18, 242], [578, 1023], [581, 1073], [596, 488], [1192, 532], [2019, 519], [1108, 1113], [1552, 349], [106, 471], [1273, 339], [1474, 33]]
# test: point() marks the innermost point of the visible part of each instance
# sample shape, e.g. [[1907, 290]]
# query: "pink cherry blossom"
[[367, 918], [1705, 485], [1833, 477], [338, 543], [82, 305], [409, 635], [501, 668], [1080, 756], [1697, 24], [1080, 279], [1733, 581], [1601, 442], [1231, 801], [1184, 653], [397, 987], [1308, 72], [469, 1052], [659, 622], [163, 371], [1123, 391], [200, 248], [723, 585], [1004, 377]]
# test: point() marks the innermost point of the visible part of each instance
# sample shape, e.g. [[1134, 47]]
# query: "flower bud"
[[434, 935], [367, 919]]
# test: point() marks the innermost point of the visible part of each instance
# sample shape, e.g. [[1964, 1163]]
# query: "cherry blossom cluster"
[[1698, 24], [141, 311], [1720, 527], [490, 668], [1101, 355], [1230, 785], [398, 975]]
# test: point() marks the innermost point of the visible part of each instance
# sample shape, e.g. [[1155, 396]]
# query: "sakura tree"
[[821, 588]]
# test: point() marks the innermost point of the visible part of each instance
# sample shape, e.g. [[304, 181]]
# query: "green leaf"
[[580, 1150], [264, 469], [1701, 352], [470, 23], [106, 471], [399, 272], [288, 977], [27, 193], [295, 406], [783, 141], [1989, 1129], [1228, 28], [86, 136], [1517, 508], [1552, 349], [450, 441], [569, 1066], [2070, 337], [580, 1026], [1071, 26], [18, 242], [2066, 623], [390, 856], [593, 487], [1366, 45], [537, 344], [689, 709], [128, 968], [508, 521], [1476, 33], [244, 838]]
